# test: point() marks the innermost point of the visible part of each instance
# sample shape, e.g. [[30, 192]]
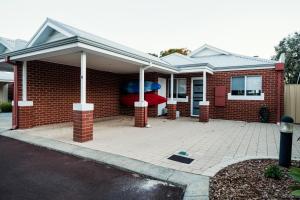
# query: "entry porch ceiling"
[[96, 62]]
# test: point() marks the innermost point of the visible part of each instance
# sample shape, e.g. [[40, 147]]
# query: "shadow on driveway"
[[30, 172]]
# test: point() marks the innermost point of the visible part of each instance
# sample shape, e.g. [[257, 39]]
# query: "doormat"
[[181, 159]]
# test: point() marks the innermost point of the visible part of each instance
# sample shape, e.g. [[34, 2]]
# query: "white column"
[[24, 81], [83, 78], [24, 101], [204, 86], [141, 85], [83, 106], [172, 87]]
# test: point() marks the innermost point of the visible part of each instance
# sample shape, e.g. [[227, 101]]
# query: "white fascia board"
[[44, 51], [41, 30], [240, 69], [6, 81], [196, 70], [103, 51]]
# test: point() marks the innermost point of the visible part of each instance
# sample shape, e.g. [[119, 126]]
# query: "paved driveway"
[[5, 121], [30, 172], [212, 144]]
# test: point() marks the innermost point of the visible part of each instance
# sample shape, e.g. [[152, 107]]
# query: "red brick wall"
[[54, 88], [244, 110]]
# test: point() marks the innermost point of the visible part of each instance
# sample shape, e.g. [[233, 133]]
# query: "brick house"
[[6, 75], [68, 75]]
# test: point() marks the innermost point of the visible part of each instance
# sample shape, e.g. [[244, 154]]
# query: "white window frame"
[[186, 99], [261, 97]]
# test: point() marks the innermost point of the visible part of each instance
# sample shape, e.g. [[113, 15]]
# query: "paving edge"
[[196, 186]]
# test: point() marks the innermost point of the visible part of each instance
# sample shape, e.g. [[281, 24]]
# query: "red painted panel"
[[220, 95]]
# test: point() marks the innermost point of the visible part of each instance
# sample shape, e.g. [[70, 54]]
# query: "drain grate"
[[181, 159]]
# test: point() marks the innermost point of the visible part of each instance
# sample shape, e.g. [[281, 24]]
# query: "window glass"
[[238, 85], [181, 88], [254, 85]]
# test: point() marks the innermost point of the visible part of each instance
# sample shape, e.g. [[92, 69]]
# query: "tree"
[[290, 45], [183, 51]]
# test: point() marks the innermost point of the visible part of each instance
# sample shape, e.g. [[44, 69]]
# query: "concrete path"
[[5, 121], [213, 145]]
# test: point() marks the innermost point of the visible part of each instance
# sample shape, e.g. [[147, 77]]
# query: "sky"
[[248, 27]]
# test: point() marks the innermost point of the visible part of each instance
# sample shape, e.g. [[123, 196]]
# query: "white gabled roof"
[[52, 30], [177, 59], [53, 34], [216, 58], [8, 45]]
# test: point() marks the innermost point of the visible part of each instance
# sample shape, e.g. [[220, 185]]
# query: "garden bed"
[[246, 180]]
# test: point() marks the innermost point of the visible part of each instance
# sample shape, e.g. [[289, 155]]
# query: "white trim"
[[42, 29], [195, 70], [25, 103], [172, 102], [45, 51], [191, 103], [204, 86], [186, 99], [172, 87], [141, 85], [24, 81], [99, 50], [83, 77], [203, 103], [243, 97], [206, 46], [141, 104], [83, 106], [241, 69]]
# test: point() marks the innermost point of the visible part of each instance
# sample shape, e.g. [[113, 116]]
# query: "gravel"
[[246, 180]]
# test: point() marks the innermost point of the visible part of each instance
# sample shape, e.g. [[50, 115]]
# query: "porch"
[[212, 145]]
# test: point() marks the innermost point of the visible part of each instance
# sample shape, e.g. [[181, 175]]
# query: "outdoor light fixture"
[[286, 141]]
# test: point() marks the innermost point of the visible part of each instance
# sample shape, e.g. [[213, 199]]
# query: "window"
[[246, 87], [179, 90]]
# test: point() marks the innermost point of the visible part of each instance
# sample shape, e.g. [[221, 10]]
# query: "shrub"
[[264, 114], [294, 172], [273, 171], [6, 107]]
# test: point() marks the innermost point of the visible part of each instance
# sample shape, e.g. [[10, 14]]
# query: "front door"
[[196, 95], [162, 92]]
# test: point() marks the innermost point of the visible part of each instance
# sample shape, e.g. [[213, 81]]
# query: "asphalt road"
[[29, 172]]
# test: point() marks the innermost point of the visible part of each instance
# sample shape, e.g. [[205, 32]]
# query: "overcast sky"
[[249, 27]]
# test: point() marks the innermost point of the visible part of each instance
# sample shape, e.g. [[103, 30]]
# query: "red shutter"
[[220, 95]]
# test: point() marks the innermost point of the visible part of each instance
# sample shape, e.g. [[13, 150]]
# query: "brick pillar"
[[140, 114], [83, 122], [279, 67], [172, 107], [25, 114], [203, 111]]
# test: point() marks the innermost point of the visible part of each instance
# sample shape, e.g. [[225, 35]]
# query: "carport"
[[63, 46]]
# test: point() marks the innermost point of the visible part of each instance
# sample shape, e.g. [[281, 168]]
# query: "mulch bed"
[[246, 180]]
